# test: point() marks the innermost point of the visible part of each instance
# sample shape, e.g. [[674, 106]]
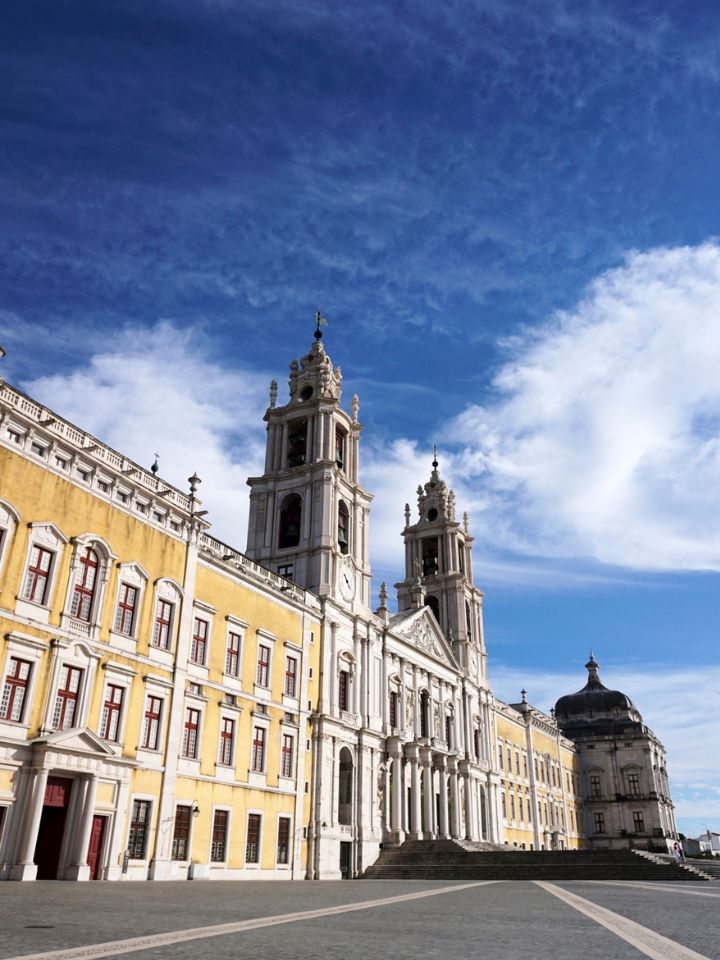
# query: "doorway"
[[52, 827], [345, 859], [94, 857]]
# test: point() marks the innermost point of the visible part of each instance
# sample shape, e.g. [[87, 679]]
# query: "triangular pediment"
[[421, 629], [76, 740]]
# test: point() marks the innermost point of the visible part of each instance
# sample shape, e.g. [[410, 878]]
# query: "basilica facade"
[[173, 707]]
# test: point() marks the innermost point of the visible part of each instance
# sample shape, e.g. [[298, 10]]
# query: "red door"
[[52, 827], [94, 857]]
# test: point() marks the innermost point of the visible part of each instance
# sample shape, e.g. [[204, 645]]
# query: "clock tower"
[[438, 568], [308, 514]]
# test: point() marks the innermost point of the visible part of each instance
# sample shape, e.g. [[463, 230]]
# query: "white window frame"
[[265, 639], [48, 537], [117, 675], [9, 520], [291, 841], [161, 688], [220, 864], [237, 626], [81, 656], [258, 778], [287, 781], [22, 647], [171, 592], [201, 611], [90, 628], [292, 650], [250, 864], [149, 846], [132, 575]]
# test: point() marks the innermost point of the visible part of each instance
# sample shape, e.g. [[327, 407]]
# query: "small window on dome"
[[432, 514]]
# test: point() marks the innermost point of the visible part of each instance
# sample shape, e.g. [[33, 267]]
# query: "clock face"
[[347, 582], [473, 664]]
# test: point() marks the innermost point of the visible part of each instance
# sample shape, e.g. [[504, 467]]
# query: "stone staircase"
[[449, 860]]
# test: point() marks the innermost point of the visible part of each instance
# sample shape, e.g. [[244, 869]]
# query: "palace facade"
[[174, 708]]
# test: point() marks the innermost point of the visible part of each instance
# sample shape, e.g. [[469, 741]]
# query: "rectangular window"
[[512, 806], [66, 698], [291, 676], [38, 449], [343, 690], [125, 613], [448, 732], [112, 707], [500, 756], [638, 822], [232, 655], [504, 805], [252, 849], [286, 570], [517, 764], [84, 590], [227, 740], [257, 761], [190, 733], [393, 711], [139, 827], [218, 845], [599, 822], [263, 666], [162, 631], [151, 724], [14, 692], [181, 834], [37, 576], [339, 447], [286, 755], [198, 647], [634, 784], [283, 843], [595, 788], [525, 766]]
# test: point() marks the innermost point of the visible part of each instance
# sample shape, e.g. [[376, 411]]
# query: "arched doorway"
[[345, 788]]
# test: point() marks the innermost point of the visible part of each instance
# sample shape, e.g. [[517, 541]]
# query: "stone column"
[[441, 767], [428, 792], [412, 752], [454, 798], [80, 869], [470, 818], [26, 868], [396, 799]]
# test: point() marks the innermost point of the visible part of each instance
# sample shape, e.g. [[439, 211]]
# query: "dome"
[[594, 700]]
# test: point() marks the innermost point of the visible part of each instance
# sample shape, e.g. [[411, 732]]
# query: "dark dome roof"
[[594, 698]]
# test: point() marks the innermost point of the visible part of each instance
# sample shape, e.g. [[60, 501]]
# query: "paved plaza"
[[361, 919]]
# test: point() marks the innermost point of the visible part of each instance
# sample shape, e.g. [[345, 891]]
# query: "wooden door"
[[94, 857]]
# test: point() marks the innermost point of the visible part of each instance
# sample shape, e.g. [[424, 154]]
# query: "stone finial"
[[355, 407], [451, 505], [194, 482], [466, 522], [154, 469], [523, 694], [407, 514], [273, 392], [383, 594]]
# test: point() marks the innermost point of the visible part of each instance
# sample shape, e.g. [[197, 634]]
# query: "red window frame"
[[283, 840], [37, 577], [191, 731], [181, 832], [227, 738], [257, 759], [343, 690], [112, 708], [232, 654], [126, 608], [286, 755], [163, 624], [83, 596], [291, 665], [151, 723], [252, 847], [218, 844], [67, 696], [263, 666], [198, 648], [139, 825], [14, 693]]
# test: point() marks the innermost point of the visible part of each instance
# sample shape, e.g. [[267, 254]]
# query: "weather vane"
[[320, 322]]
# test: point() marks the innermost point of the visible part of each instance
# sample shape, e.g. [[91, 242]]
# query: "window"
[[434, 604], [343, 685], [84, 590], [66, 698], [162, 631], [525, 766], [517, 763], [151, 724], [500, 756], [257, 760], [286, 570], [181, 833], [509, 760], [291, 676], [340, 447], [232, 655], [638, 821], [283, 840], [595, 787], [263, 666], [286, 755], [127, 606], [512, 806], [198, 647], [12, 704], [429, 556], [139, 826], [290, 519], [343, 528], [393, 709], [296, 443], [35, 587], [227, 740], [218, 844], [633, 781], [112, 707], [252, 848], [504, 805], [477, 740], [448, 731], [38, 449], [599, 822], [190, 733]]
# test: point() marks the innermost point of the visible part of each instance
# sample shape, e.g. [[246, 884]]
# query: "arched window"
[[424, 714], [430, 556], [340, 436], [449, 730], [296, 443], [83, 596], [290, 517], [343, 528], [345, 787], [468, 620], [434, 605]]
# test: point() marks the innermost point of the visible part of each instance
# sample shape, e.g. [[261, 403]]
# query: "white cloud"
[[156, 390], [674, 703], [604, 437]]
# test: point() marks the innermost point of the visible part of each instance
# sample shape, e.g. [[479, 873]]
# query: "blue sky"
[[509, 213]]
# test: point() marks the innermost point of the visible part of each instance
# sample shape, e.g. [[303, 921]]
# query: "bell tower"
[[308, 513], [438, 558]]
